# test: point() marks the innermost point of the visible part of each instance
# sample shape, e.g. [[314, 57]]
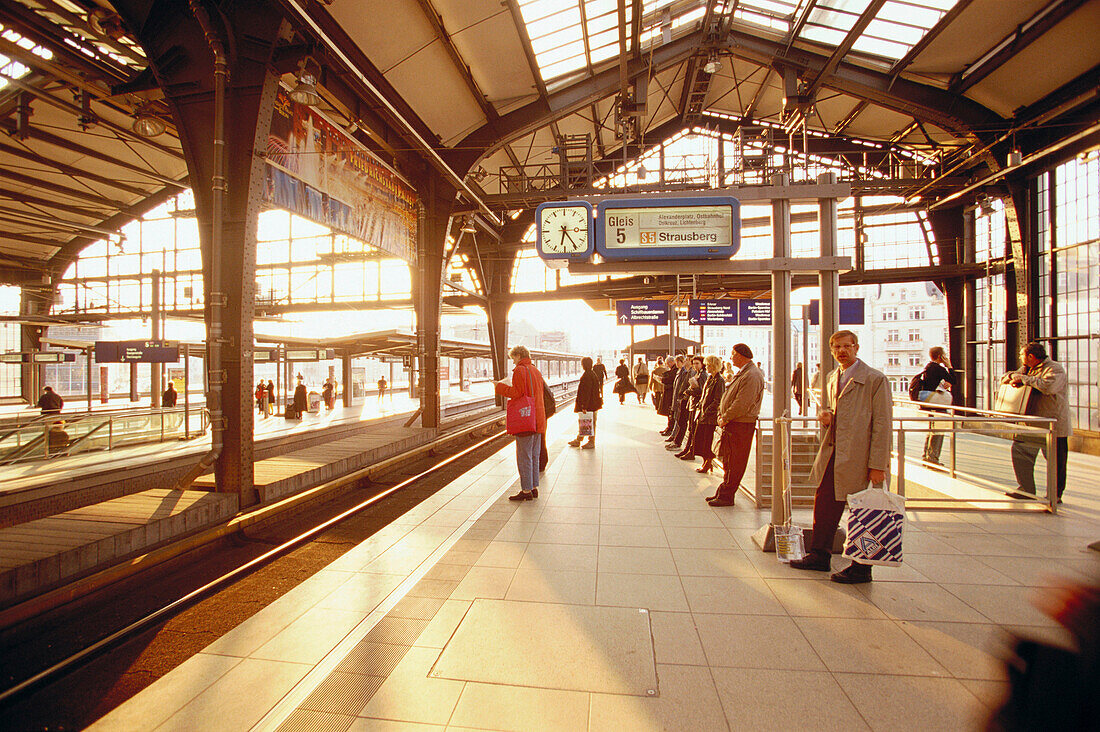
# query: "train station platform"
[[620, 600]]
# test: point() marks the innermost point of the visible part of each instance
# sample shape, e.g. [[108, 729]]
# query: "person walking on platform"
[[640, 375], [50, 402], [623, 385], [260, 394], [301, 399], [270, 406], [796, 386], [656, 386], [328, 394], [934, 387], [589, 399], [702, 444], [668, 384], [737, 415], [600, 370], [1048, 382], [168, 398], [381, 388], [526, 381], [815, 385], [857, 409], [681, 399], [691, 397]]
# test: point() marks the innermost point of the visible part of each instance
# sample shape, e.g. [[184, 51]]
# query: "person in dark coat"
[[328, 394], [168, 398], [668, 383], [50, 402], [624, 385], [706, 420], [688, 391], [589, 399], [301, 400], [600, 370], [797, 385]]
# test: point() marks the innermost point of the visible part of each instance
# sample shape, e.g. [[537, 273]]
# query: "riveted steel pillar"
[[248, 32], [437, 199], [781, 341], [828, 280], [33, 301]]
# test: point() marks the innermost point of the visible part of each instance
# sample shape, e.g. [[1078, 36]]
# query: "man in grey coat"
[[1049, 383], [737, 414], [857, 410]]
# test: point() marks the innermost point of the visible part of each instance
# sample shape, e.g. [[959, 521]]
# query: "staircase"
[[803, 450]]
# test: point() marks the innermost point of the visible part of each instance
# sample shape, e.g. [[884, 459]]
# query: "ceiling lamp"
[[468, 226], [713, 65], [305, 91], [148, 125]]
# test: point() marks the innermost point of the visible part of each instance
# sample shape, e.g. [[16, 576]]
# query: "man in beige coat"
[[737, 414], [857, 409], [1049, 383]]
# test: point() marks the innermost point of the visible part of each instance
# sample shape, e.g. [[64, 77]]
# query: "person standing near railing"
[[168, 398], [737, 414], [857, 411], [50, 402], [1049, 384], [934, 387]]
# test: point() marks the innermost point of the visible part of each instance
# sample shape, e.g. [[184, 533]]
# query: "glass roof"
[[11, 68], [571, 36]]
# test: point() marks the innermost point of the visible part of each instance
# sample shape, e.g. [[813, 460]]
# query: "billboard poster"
[[319, 172]]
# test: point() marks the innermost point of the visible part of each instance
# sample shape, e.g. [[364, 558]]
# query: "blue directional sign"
[[671, 228], [712, 312], [755, 312], [641, 312], [851, 311], [136, 352]]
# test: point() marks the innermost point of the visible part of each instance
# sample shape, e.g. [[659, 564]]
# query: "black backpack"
[[915, 386], [548, 400]]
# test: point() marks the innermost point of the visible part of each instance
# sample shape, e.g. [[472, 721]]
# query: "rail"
[[975, 470], [54, 435]]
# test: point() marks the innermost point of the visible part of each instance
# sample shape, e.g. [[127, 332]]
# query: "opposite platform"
[[474, 612]]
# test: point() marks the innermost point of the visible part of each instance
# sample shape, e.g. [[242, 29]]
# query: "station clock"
[[564, 230]]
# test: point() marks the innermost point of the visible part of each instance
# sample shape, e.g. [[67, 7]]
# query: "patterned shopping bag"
[[876, 520]]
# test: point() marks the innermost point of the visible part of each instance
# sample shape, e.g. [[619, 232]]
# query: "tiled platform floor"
[[739, 641]]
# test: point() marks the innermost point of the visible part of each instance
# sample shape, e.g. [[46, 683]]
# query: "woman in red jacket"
[[526, 381]]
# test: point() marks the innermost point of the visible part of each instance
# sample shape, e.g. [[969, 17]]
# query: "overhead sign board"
[[16, 357], [37, 357], [309, 354], [137, 352], [754, 312], [851, 311], [681, 228], [641, 312], [713, 312]]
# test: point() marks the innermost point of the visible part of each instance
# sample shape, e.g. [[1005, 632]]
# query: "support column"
[[948, 231], [437, 199], [828, 280], [155, 369], [220, 143], [345, 377], [33, 301], [781, 343], [497, 310], [1019, 225]]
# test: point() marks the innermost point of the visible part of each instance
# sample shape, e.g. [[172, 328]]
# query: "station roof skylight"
[[570, 36]]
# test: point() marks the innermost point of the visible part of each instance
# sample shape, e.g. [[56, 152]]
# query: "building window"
[[893, 360], [914, 335], [890, 314], [914, 359], [916, 313], [893, 336]]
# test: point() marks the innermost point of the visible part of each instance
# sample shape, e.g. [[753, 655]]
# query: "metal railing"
[[53, 435], [972, 475]]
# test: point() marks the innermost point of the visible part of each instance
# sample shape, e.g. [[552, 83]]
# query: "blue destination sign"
[[641, 312], [851, 311], [136, 352], [754, 312], [699, 227], [713, 312]]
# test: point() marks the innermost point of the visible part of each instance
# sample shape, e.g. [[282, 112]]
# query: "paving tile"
[[566, 534], [755, 641], [676, 640], [818, 597], [1032, 571], [861, 645], [892, 703], [561, 557], [502, 554], [307, 719], [541, 585], [409, 694], [1005, 605], [362, 592], [752, 699], [687, 701], [522, 709], [956, 568], [654, 592], [309, 638], [632, 536], [731, 595], [629, 516], [967, 650], [992, 694], [636, 560], [920, 601], [699, 537], [490, 582], [713, 563]]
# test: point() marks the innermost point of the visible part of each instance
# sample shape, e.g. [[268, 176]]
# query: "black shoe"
[[534, 493], [672, 446], [1020, 494], [522, 496], [720, 502], [816, 560], [686, 456], [854, 574]]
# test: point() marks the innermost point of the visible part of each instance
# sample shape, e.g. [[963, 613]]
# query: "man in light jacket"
[[737, 414], [856, 412], [1048, 382]]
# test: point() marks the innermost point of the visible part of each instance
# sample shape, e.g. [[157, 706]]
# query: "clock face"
[[565, 229]]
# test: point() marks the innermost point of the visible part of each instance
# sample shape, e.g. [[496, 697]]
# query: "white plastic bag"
[[585, 424], [876, 522]]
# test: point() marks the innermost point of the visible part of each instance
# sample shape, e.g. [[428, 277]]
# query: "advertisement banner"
[[319, 172]]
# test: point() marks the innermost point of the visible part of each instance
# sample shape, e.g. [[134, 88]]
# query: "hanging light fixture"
[[147, 124], [713, 65], [467, 226], [305, 91]]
